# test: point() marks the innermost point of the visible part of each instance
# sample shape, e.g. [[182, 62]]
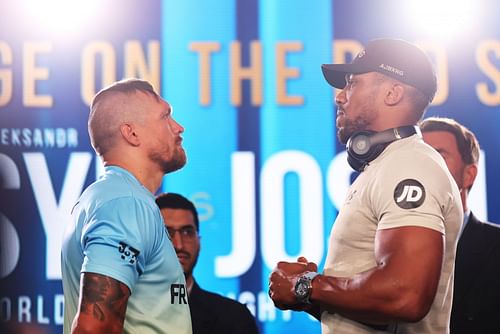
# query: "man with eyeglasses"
[[210, 312]]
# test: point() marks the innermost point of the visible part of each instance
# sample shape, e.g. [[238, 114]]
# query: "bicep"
[[413, 255], [103, 303]]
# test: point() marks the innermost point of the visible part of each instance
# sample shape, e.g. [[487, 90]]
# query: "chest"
[[352, 238]]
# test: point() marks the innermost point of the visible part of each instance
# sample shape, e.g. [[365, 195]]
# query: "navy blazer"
[[214, 314], [476, 296]]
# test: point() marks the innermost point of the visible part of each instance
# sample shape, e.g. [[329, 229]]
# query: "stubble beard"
[[176, 162], [350, 127], [361, 122]]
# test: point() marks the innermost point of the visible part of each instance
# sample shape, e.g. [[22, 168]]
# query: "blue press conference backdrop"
[[264, 167]]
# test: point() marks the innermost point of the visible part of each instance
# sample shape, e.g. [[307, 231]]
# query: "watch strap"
[[310, 275]]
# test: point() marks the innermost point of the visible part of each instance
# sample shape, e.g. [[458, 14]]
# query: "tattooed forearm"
[[104, 298]]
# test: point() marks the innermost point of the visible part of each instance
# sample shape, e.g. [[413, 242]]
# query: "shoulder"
[[494, 228], [489, 229], [481, 237], [121, 210], [413, 151], [113, 185], [113, 209], [117, 193]]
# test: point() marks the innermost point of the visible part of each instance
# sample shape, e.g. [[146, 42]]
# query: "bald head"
[[114, 105]]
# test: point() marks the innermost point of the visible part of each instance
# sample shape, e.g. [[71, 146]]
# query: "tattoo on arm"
[[103, 298]]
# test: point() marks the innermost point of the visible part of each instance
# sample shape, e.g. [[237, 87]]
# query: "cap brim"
[[335, 74]]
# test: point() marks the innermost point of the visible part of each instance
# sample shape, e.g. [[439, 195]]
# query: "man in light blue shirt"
[[120, 272]]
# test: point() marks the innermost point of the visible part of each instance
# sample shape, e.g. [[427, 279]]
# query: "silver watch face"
[[301, 289]]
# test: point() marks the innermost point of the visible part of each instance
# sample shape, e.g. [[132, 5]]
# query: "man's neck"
[[148, 178], [463, 196]]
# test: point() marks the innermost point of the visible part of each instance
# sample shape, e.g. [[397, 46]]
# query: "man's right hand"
[[282, 283]]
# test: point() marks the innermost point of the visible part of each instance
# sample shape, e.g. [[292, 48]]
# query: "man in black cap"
[[389, 267]]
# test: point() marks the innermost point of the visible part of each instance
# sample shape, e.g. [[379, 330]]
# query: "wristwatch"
[[303, 287]]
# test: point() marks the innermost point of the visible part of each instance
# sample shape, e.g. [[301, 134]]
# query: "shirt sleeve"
[[114, 241], [414, 192]]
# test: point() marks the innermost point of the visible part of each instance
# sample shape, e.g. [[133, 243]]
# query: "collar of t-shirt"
[[128, 175]]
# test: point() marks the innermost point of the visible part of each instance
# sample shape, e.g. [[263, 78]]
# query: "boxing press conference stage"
[[264, 166]]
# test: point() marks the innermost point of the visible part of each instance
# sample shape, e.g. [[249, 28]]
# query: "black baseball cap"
[[395, 58]]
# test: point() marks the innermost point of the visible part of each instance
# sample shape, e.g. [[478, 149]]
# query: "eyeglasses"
[[187, 233]]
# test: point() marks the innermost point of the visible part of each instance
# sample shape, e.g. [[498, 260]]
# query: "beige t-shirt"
[[407, 185]]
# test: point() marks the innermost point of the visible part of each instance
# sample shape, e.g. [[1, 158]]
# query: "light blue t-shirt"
[[117, 231]]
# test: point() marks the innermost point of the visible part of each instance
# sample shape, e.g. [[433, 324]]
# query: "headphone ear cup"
[[359, 145], [356, 164], [361, 150]]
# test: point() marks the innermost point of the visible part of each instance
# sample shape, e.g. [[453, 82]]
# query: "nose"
[[177, 241], [179, 127], [341, 97]]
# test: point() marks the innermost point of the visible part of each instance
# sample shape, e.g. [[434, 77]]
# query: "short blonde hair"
[[101, 123]]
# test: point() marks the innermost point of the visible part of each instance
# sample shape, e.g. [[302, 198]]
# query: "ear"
[[129, 134], [394, 94], [470, 173]]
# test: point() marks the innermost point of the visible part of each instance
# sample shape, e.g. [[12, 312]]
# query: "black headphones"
[[364, 146]]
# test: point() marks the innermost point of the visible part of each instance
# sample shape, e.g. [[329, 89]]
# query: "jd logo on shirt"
[[409, 194]]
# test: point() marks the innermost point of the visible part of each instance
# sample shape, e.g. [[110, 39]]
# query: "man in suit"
[[210, 312], [476, 297]]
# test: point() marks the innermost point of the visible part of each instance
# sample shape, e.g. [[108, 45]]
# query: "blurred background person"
[[476, 296], [210, 312]]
